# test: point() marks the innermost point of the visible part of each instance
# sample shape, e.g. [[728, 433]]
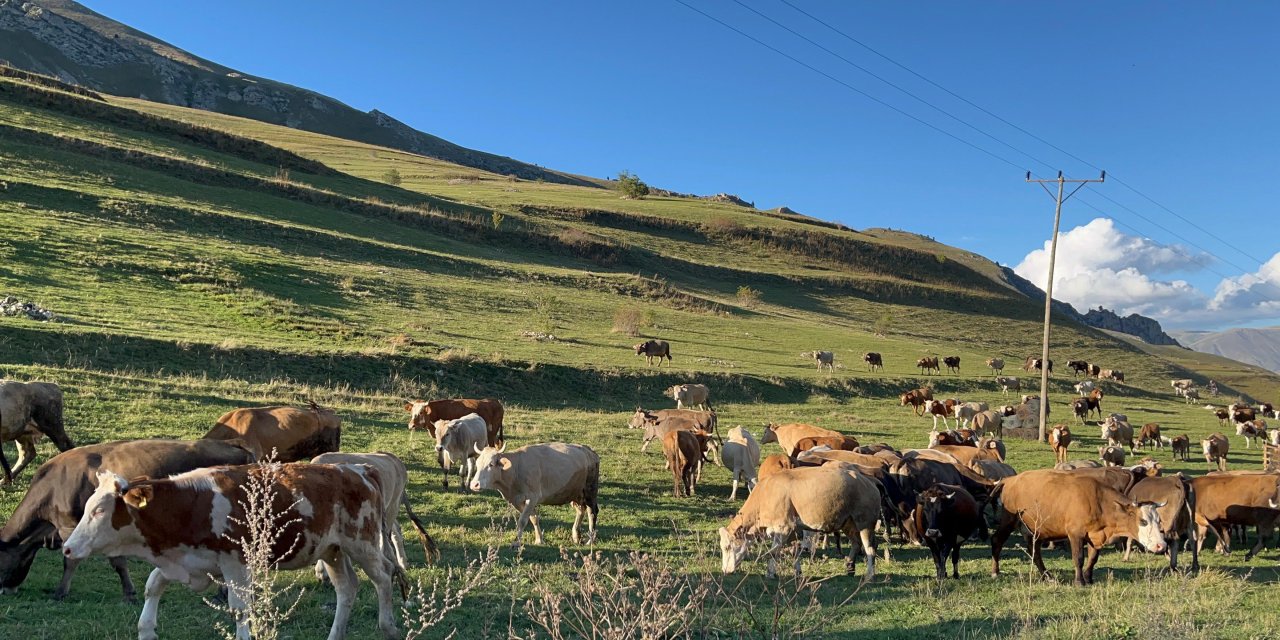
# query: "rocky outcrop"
[[729, 198], [65, 40], [1133, 324]]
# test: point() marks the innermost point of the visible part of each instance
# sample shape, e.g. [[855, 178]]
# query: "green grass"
[[187, 292]]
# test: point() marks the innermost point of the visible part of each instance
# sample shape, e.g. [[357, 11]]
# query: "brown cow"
[[293, 434], [787, 435], [1215, 449], [1176, 516], [683, 450], [946, 515], [1150, 435], [1181, 446], [773, 464], [928, 364], [654, 349], [995, 446], [1059, 440], [424, 415], [1078, 366], [820, 456], [1058, 505], [1227, 499], [916, 398], [967, 454], [837, 443]]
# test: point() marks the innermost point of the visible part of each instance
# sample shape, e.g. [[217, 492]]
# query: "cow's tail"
[[428, 545]]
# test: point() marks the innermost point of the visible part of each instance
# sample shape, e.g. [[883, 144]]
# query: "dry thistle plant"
[[266, 602], [426, 606]]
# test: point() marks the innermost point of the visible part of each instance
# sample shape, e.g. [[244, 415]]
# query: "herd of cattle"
[[177, 504]]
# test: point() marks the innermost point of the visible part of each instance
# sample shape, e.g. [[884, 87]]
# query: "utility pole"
[[1048, 290]]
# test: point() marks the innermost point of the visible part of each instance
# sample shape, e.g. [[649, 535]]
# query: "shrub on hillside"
[[392, 177], [724, 225], [631, 186], [628, 320], [748, 297]]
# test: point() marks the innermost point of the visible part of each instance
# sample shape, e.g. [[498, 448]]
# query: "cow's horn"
[[476, 447], [503, 448]]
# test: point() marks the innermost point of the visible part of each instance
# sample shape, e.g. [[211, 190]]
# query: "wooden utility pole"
[[1048, 290]]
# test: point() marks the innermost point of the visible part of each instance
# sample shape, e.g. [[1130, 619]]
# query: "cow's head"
[[491, 467], [1150, 535], [107, 523], [640, 419], [420, 416], [641, 348], [16, 559], [933, 502], [733, 548], [770, 434]]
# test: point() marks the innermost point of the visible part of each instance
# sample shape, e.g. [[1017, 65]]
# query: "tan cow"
[[1215, 449], [456, 444], [821, 455], [967, 455], [1058, 505], [553, 473], [424, 415], [825, 359], [293, 434], [683, 451], [790, 503], [705, 420], [788, 435], [838, 443], [1177, 515], [741, 456], [1226, 499], [773, 464], [690, 395], [992, 470]]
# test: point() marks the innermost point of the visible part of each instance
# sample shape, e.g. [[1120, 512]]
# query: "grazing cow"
[[788, 435], [916, 398], [187, 526], [824, 359], [1084, 387], [1215, 449], [1223, 415], [996, 365], [1057, 505], [1150, 435], [395, 481], [1111, 374], [835, 443], [1231, 499], [1184, 383], [425, 415], [1117, 432], [683, 451], [947, 515], [691, 395], [953, 364], [921, 469], [1078, 366], [874, 360], [792, 503], [1176, 514], [741, 456], [294, 434], [1008, 384], [28, 409], [937, 409], [928, 364], [1036, 364], [654, 349], [967, 411], [1181, 446], [60, 487], [552, 473], [773, 464], [988, 422], [1059, 440], [1251, 431], [704, 420], [1111, 456], [457, 443]]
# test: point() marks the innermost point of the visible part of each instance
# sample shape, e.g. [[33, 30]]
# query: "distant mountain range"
[[1254, 346], [69, 41]]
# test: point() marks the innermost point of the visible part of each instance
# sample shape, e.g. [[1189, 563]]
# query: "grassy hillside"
[[201, 262]]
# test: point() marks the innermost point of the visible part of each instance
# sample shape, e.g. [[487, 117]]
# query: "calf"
[[953, 364], [651, 349], [1215, 449], [552, 473], [457, 443], [1059, 440], [1150, 435], [294, 434], [1112, 456], [874, 360], [683, 451], [1008, 384], [916, 398], [188, 527], [937, 409], [1251, 431], [928, 365], [947, 516], [825, 359], [423, 416], [741, 456], [1181, 446]]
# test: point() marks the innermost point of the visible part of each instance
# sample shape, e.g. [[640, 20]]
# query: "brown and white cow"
[[1111, 374], [874, 360], [938, 409], [294, 434], [1036, 364], [552, 473], [188, 527], [928, 365], [1059, 440], [651, 349], [1251, 430], [1215, 448], [1227, 499], [916, 398], [1065, 505], [952, 363], [424, 415], [1177, 515]]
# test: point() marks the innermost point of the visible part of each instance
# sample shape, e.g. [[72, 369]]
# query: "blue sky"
[[1177, 99]]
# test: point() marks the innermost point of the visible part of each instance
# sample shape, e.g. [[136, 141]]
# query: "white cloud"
[[1250, 296]]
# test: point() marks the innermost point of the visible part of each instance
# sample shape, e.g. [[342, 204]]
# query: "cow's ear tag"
[[138, 497]]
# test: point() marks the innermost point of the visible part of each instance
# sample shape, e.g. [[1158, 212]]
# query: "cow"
[[966, 411], [1181, 446], [1093, 370], [395, 481], [651, 349], [919, 470], [992, 470], [1084, 387], [704, 420], [62, 485], [966, 455], [657, 429], [788, 435], [821, 455], [683, 451], [1059, 440], [552, 473], [1182, 384], [1080, 407], [1240, 413], [1251, 431], [1223, 415], [1117, 432], [988, 422], [1177, 515], [937, 409], [424, 415], [1191, 395], [691, 395], [1231, 499], [1149, 435], [794, 502], [1111, 374], [996, 365], [773, 464], [295, 435], [1078, 366], [1036, 364], [456, 444], [947, 515], [26, 410], [1273, 437], [836, 443], [191, 527], [952, 363], [1008, 384], [928, 364], [994, 445], [953, 437], [1111, 456], [740, 454], [824, 359], [916, 398], [1215, 449], [1057, 505], [874, 360]]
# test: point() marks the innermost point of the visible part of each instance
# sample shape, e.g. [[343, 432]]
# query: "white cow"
[[456, 444]]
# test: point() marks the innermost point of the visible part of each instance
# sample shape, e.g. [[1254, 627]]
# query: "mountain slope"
[[64, 39], [1259, 347]]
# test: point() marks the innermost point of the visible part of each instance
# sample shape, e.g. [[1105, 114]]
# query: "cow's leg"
[[239, 594], [537, 527], [26, 453], [1077, 545], [868, 538], [733, 493], [121, 565], [464, 474], [1094, 552], [1172, 551], [444, 472], [1128, 547], [593, 511], [4, 462], [522, 521], [939, 562], [955, 558], [379, 569], [1007, 523], [579, 510], [68, 570], [1264, 531], [156, 584], [1037, 555]]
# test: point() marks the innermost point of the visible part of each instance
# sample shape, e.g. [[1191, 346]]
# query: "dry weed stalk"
[[425, 607]]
